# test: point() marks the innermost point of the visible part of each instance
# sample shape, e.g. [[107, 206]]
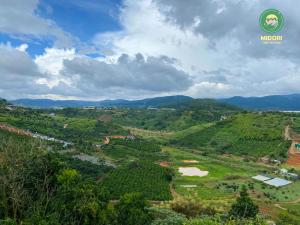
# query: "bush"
[[191, 208]]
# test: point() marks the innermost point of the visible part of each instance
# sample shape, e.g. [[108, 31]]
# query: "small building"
[[130, 137], [261, 178], [276, 161], [286, 173]]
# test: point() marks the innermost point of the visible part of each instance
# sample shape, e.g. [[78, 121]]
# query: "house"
[[286, 173], [130, 137]]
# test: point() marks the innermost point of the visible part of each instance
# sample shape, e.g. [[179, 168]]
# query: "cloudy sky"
[[99, 49]]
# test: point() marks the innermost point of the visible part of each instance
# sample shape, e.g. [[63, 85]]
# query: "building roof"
[[277, 182], [261, 178]]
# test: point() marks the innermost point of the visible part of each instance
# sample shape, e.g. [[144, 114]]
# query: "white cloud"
[[22, 47], [153, 36], [164, 47], [18, 73], [206, 37], [19, 19], [51, 63]]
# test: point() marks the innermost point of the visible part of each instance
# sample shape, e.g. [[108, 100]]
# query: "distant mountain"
[[144, 103], [272, 102], [3, 101]]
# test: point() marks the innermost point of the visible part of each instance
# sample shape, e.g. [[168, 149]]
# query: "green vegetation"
[[244, 207], [296, 122], [77, 130], [245, 134], [173, 117], [140, 176], [124, 150], [42, 182]]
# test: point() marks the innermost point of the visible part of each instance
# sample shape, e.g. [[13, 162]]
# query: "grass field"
[[226, 177]]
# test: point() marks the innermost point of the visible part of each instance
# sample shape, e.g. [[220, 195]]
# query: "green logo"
[[271, 20]]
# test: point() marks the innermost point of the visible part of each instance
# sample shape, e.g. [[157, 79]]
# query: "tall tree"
[[244, 207]]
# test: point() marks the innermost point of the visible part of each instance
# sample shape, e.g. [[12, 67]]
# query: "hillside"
[[245, 134], [200, 132], [273, 102], [174, 116]]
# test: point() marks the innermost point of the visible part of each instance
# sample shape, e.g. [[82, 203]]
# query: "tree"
[[244, 207], [132, 210]]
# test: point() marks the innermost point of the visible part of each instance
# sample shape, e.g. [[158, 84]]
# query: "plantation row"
[[140, 176]]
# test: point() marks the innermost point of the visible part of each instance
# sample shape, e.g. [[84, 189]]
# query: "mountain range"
[[273, 102], [143, 103]]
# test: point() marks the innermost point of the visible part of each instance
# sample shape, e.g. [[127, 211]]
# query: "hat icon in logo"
[[271, 20]]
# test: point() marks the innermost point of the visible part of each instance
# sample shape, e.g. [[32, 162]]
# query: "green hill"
[[177, 116], [250, 134]]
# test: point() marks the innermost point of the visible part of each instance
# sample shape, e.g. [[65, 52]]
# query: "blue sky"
[[99, 49], [82, 19]]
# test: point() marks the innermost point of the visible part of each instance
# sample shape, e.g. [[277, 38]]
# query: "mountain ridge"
[[289, 102], [271, 102], [142, 103]]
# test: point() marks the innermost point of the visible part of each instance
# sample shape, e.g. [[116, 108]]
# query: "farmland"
[[140, 176], [145, 158], [255, 135]]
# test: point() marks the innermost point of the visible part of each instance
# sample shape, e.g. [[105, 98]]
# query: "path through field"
[[14, 130]]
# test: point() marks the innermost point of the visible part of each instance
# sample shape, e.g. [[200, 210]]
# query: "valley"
[[130, 150]]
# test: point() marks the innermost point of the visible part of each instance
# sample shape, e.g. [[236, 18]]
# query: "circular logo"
[[271, 20]]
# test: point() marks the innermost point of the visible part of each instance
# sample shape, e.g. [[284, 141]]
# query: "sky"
[[133, 49]]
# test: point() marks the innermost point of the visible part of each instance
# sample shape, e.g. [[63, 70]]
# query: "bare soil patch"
[[190, 161], [164, 164], [192, 171]]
